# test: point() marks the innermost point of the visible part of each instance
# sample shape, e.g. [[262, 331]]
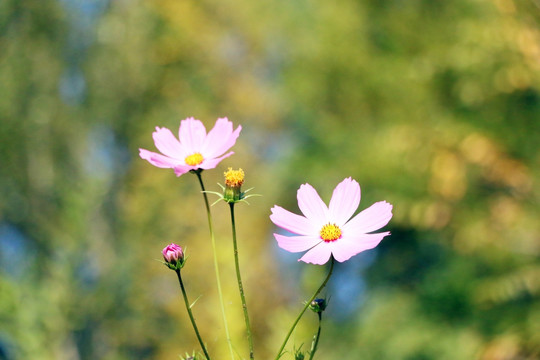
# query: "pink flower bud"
[[173, 256]]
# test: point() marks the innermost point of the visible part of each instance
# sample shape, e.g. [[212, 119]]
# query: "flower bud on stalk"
[[318, 305], [232, 191], [174, 257], [233, 185]]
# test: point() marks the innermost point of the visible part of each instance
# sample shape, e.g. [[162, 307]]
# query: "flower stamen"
[[194, 159], [330, 232], [234, 178]]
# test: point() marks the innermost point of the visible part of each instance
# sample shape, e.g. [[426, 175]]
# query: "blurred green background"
[[431, 105]]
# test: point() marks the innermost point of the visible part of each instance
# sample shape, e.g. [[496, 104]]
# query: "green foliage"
[[430, 105]]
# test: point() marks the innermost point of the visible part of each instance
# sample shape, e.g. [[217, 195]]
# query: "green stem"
[[240, 286], [316, 341], [188, 307], [280, 352], [216, 266]]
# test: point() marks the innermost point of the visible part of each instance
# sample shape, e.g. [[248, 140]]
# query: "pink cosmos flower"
[[172, 254], [327, 230], [196, 149]]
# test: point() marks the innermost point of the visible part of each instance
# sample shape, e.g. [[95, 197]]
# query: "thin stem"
[[216, 266], [240, 286], [316, 341], [280, 352], [188, 307]]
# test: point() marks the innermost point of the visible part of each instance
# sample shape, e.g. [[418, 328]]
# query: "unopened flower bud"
[[318, 305], [173, 256], [233, 185]]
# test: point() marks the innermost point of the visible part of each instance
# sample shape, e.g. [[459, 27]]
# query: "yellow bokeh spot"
[[330, 232], [234, 178], [194, 159]]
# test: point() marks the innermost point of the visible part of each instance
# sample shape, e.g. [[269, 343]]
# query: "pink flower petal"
[[318, 255], [158, 159], [291, 222], [192, 134], [181, 169], [212, 163], [296, 243], [217, 136], [344, 202], [311, 205], [373, 218], [346, 247], [168, 144], [220, 138]]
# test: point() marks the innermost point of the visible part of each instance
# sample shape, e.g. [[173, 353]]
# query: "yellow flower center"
[[234, 178], [194, 159], [330, 232]]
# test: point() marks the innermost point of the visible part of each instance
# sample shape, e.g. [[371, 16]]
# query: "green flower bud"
[[318, 305]]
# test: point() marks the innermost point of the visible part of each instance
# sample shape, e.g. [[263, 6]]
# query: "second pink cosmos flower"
[[194, 149], [329, 230]]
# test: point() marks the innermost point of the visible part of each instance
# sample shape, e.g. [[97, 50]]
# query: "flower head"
[[234, 178], [233, 185], [329, 230], [232, 190], [195, 149], [173, 256]]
